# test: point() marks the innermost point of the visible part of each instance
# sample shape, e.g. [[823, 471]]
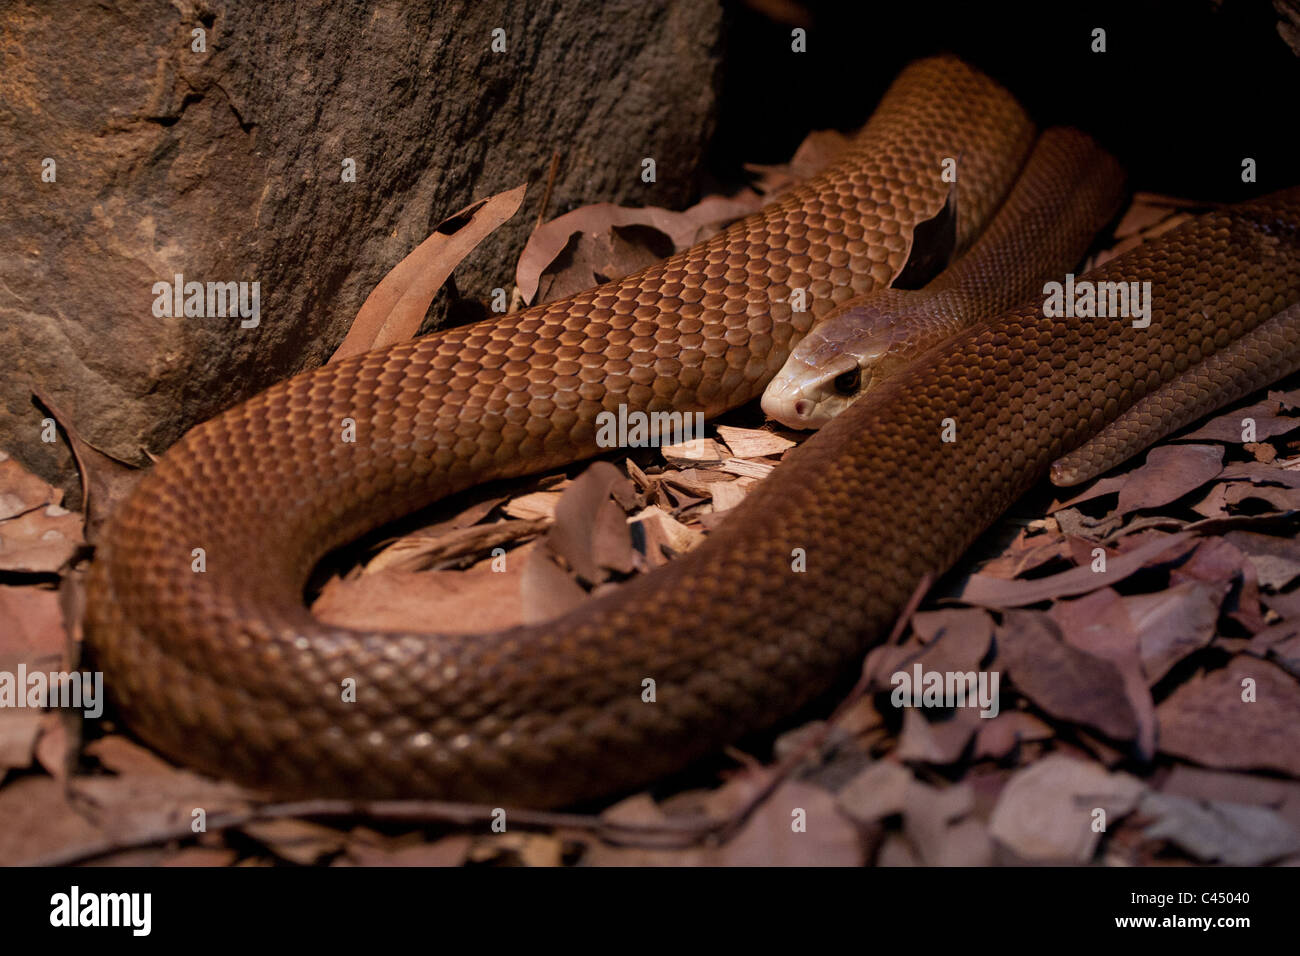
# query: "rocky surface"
[[226, 164]]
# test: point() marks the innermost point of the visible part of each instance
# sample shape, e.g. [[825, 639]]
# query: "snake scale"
[[227, 671], [1070, 187]]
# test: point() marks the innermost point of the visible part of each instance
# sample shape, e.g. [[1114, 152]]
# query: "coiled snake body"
[[227, 671]]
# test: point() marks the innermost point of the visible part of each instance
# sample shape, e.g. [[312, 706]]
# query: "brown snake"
[[1070, 187], [227, 671]]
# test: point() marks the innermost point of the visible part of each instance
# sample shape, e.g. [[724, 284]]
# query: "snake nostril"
[[802, 407]]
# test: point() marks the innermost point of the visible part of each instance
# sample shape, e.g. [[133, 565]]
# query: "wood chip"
[[539, 504], [727, 494], [753, 442], [662, 528], [747, 469], [697, 451], [419, 552]]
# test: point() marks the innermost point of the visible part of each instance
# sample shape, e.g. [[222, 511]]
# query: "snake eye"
[[847, 384]]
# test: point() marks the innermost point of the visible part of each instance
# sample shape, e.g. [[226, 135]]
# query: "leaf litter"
[[1146, 633]]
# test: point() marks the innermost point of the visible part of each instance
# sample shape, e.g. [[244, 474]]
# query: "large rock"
[[226, 165]]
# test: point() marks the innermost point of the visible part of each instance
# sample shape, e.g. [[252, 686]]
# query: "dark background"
[[1184, 91]]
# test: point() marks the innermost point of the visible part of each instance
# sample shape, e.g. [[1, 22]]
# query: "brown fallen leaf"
[[1231, 426], [1227, 498], [1287, 605], [422, 551], [798, 825], [1173, 623], [1065, 682], [681, 229], [593, 259], [660, 531], [52, 746], [395, 308], [897, 851], [1213, 832], [39, 822], [998, 737], [31, 637], [1286, 651], [152, 798], [1099, 624], [1103, 486], [1170, 472], [475, 600], [956, 639], [1261, 474], [41, 541], [21, 491], [933, 822], [591, 531], [1046, 811], [298, 841], [200, 856], [994, 592], [1207, 721], [876, 792], [1219, 786], [1037, 551], [940, 741], [1276, 560], [449, 851], [517, 849], [1218, 563], [546, 590], [818, 150], [1075, 523]]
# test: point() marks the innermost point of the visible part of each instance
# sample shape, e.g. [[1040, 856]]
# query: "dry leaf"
[[591, 531], [297, 841], [1002, 734], [682, 229], [1000, 593], [1212, 832], [1099, 624], [1230, 426], [1173, 623], [422, 551], [1046, 811], [662, 530], [1064, 681], [1170, 472], [32, 635], [1276, 560], [1206, 720], [476, 600], [395, 308], [547, 591], [449, 851]]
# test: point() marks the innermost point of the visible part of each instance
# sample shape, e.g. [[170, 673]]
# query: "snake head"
[[836, 363]]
